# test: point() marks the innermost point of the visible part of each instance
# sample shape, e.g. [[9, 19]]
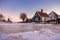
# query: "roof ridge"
[[42, 14]]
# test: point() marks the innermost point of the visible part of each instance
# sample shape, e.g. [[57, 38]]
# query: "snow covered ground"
[[29, 31]]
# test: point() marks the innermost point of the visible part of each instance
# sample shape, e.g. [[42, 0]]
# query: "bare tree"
[[23, 16], [9, 20], [1, 17]]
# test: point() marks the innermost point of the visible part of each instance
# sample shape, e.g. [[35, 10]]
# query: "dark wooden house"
[[40, 16]]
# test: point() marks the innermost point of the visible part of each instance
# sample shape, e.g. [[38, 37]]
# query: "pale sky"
[[12, 8]]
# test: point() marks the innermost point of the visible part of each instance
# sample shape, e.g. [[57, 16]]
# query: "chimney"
[[41, 10]]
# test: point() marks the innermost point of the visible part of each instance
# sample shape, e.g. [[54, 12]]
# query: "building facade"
[[40, 16]]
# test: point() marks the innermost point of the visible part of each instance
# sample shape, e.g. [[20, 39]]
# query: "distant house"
[[28, 20], [53, 17], [40, 16]]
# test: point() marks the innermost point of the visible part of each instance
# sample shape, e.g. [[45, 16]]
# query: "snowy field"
[[29, 31]]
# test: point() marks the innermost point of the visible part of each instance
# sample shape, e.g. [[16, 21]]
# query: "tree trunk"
[[23, 20]]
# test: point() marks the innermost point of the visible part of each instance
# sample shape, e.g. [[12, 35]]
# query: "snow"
[[32, 35], [45, 32]]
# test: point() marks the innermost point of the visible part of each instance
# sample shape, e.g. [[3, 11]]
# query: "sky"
[[13, 8]]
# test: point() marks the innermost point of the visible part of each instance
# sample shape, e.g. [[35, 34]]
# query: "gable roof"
[[42, 14], [53, 13]]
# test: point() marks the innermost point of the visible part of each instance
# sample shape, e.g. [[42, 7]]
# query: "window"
[[36, 19]]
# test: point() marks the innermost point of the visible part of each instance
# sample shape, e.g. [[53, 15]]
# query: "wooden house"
[[40, 16], [53, 17]]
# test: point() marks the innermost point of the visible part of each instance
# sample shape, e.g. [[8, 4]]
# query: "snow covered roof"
[[53, 13]]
